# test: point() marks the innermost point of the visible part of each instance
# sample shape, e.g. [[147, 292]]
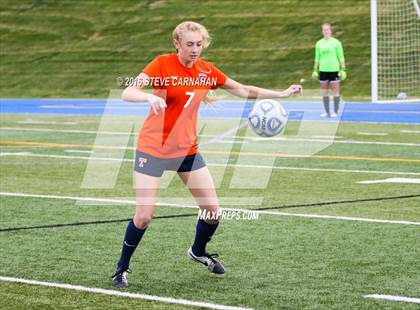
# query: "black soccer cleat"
[[208, 260], [119, 279]]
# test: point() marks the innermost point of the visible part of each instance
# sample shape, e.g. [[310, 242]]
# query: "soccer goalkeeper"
[[329, 68]]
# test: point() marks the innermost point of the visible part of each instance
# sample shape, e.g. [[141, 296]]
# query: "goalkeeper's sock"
[[132, 239], [336, 103], [326, 101], [203, 234]]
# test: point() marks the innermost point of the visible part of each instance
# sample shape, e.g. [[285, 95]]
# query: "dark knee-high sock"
[[336, 103], [203, 234], [326, 102], [132, 238]]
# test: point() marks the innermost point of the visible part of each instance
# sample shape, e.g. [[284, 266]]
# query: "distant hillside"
[[75, 48]]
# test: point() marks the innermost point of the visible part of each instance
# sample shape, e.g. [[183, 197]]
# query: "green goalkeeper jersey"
[[329, 53]]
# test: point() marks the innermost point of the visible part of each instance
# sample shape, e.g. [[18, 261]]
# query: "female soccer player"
[[329, 60], [168, 138]]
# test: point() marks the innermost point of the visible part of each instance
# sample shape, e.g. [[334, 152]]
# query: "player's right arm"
[[135, 93], [315, 74]]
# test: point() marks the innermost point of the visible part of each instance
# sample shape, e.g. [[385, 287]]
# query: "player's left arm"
[[254, 92], [340, 57]]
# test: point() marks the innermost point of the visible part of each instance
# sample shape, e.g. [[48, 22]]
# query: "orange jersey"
[[173, 131]]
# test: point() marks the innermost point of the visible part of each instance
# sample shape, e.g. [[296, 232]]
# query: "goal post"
[[395, 50]]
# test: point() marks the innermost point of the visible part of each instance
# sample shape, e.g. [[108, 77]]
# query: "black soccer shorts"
[[329, 77], [155, 167]]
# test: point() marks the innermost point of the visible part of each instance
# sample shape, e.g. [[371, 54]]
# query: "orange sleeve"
[[221, 78], [153, 69]]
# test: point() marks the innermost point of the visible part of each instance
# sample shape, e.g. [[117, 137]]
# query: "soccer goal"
[[395, 36]]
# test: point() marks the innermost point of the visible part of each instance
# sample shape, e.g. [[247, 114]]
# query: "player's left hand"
[[295, 89], [343, 75]]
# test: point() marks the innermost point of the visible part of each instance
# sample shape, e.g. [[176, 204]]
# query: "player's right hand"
[[295, 89], [156, 103], [315, 75]]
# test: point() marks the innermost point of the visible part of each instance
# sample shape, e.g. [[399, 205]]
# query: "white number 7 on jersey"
[[191, 94]]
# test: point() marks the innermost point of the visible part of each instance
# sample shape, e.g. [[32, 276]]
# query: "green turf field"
[[278, 261], [78, 49]]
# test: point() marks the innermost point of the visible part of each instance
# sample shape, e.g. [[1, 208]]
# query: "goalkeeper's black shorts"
[[325, 77]]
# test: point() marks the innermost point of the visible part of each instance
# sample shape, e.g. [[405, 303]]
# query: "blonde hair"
[[327, 24], [191, 26]]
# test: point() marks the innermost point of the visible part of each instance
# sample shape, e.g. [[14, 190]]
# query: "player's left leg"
[[200, 184], [325, 86], [335, 87]]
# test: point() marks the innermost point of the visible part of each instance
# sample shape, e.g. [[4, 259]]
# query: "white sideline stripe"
[[66, 130], [372, 133], [123, 201], [15, 153], [394, 298], [227, 133], [392, 180], [318, 169], [29, 121], [29, 154], [93, 199], [271, 139], [409, 131], [417, 8], [79, 151], [122, 294], [325, 139]]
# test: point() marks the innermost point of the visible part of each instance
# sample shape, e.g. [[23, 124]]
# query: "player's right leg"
[[146, 191], [324, 83]]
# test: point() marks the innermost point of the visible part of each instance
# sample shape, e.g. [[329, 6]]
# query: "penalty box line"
[[80, 288], [174, 205]]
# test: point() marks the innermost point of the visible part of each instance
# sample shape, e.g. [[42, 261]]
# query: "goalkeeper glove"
[[342, 75], [315, 75]]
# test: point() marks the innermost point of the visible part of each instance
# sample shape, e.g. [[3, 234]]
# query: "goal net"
[[395, 29]]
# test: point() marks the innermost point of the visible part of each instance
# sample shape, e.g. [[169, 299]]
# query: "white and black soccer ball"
[[401, 95], [267, 118]]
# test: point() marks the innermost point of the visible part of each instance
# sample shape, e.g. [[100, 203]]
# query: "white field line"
[[93, 199], [29, 121], [220, 106], [271, 139], [372, 133], [327, 137], [66, 131], [394, 298], [122, 294], [329, 140], [417, 8], [392, 180], [227, 133], [29, 154], [79, 151], [132, 202], [409, 131]]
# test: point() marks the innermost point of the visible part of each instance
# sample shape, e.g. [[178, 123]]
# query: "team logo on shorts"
[[142, 161]]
